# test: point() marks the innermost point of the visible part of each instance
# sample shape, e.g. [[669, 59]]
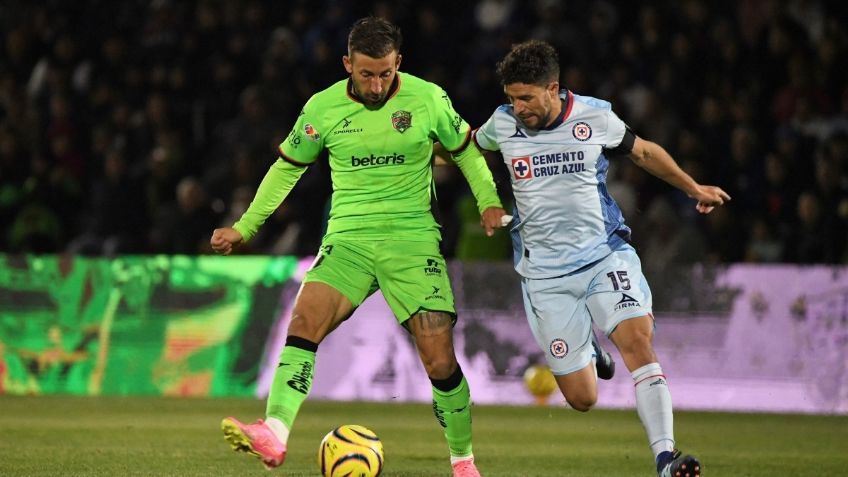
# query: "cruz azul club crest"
[[401, 120]]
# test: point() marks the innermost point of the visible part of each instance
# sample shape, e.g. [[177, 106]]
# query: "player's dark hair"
[[531, 62], [374, 37]]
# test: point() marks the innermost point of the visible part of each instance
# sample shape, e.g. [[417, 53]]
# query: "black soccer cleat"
[[604, 364], [676, 464]]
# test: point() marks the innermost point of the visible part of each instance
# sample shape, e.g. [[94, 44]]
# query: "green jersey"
[[380, 158]]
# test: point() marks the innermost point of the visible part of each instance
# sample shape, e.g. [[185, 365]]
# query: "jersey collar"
[[393, 90], [567, 102]]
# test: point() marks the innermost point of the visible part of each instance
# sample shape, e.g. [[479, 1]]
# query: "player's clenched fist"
[[491, 220], [223, 240]]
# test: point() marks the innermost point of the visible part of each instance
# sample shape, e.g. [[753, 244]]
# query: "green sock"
[[291, 385], [453, 411]]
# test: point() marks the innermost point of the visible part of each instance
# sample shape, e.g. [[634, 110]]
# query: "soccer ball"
[[539, 381], [350, 450]]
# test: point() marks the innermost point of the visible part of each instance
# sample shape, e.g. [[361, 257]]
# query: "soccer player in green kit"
[[379, 126]]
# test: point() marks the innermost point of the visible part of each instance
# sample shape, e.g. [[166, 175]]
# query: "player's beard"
[[372, 99], [542, 120], [369, 98], [538, 124]]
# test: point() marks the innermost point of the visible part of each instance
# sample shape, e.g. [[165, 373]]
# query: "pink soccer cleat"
[[256, 439], [465, 468]]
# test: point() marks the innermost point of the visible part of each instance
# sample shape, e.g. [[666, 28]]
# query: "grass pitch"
[[72, 436]]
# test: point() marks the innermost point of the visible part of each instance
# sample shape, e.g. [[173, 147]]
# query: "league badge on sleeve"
[[581, 131], [311, 132], [521, 168]]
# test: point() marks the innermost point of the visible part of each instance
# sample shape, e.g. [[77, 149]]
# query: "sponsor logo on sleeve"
[[294, 139], [456, 123]]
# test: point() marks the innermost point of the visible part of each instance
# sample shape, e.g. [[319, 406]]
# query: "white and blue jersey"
[[565, 218], [568, 233]]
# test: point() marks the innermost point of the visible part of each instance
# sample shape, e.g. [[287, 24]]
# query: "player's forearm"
[[659, 163], [479, 177], [275, 186]]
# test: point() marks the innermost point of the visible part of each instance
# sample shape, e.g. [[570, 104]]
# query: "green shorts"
[[411, 275]]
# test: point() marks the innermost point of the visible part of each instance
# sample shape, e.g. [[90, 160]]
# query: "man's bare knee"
[[636, 345], [440, 368], [633, 338], [303, 326], [579, 388], [582, 403]]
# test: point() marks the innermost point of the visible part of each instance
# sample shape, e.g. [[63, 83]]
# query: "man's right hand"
[[224, 239]]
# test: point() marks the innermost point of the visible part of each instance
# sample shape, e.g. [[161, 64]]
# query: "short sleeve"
[[486, 135], [615, 130], [448, 127], [306, 140]]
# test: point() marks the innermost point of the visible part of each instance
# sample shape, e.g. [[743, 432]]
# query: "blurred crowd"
[[139, 126]]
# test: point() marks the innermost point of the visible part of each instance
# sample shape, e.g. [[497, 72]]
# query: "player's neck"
[[555, 118]]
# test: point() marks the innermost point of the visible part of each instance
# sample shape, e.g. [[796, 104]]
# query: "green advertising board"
[[140, 325]]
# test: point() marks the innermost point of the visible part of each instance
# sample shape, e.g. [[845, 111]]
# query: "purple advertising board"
[[779, 343]]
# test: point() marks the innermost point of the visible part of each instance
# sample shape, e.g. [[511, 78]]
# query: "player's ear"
[[397, 63], [347, 64], [553, 89]]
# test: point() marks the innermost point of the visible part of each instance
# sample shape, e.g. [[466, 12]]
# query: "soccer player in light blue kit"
[[571, 244]]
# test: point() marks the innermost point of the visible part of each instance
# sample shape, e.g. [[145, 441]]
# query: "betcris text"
[[372, 160]]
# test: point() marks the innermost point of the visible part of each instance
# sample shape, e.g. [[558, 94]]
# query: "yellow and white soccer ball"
[[351, 450], [539, 381]]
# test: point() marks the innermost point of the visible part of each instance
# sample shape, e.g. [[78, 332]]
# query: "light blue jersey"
[[569, 235], [565, 218]]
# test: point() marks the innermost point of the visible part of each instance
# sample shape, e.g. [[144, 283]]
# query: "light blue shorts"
[[561, 310]]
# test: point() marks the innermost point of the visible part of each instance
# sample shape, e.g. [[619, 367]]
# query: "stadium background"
[[129, 130], [173, 110]]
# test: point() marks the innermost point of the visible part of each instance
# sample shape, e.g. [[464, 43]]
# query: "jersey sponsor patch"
[[456, 123], [436, 295], [582, 131], [521, 168], [311, 132], [374, 160], [626, 301], [432, 268], [546, 165], [559, 348], [345, 129], [294, 139]]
